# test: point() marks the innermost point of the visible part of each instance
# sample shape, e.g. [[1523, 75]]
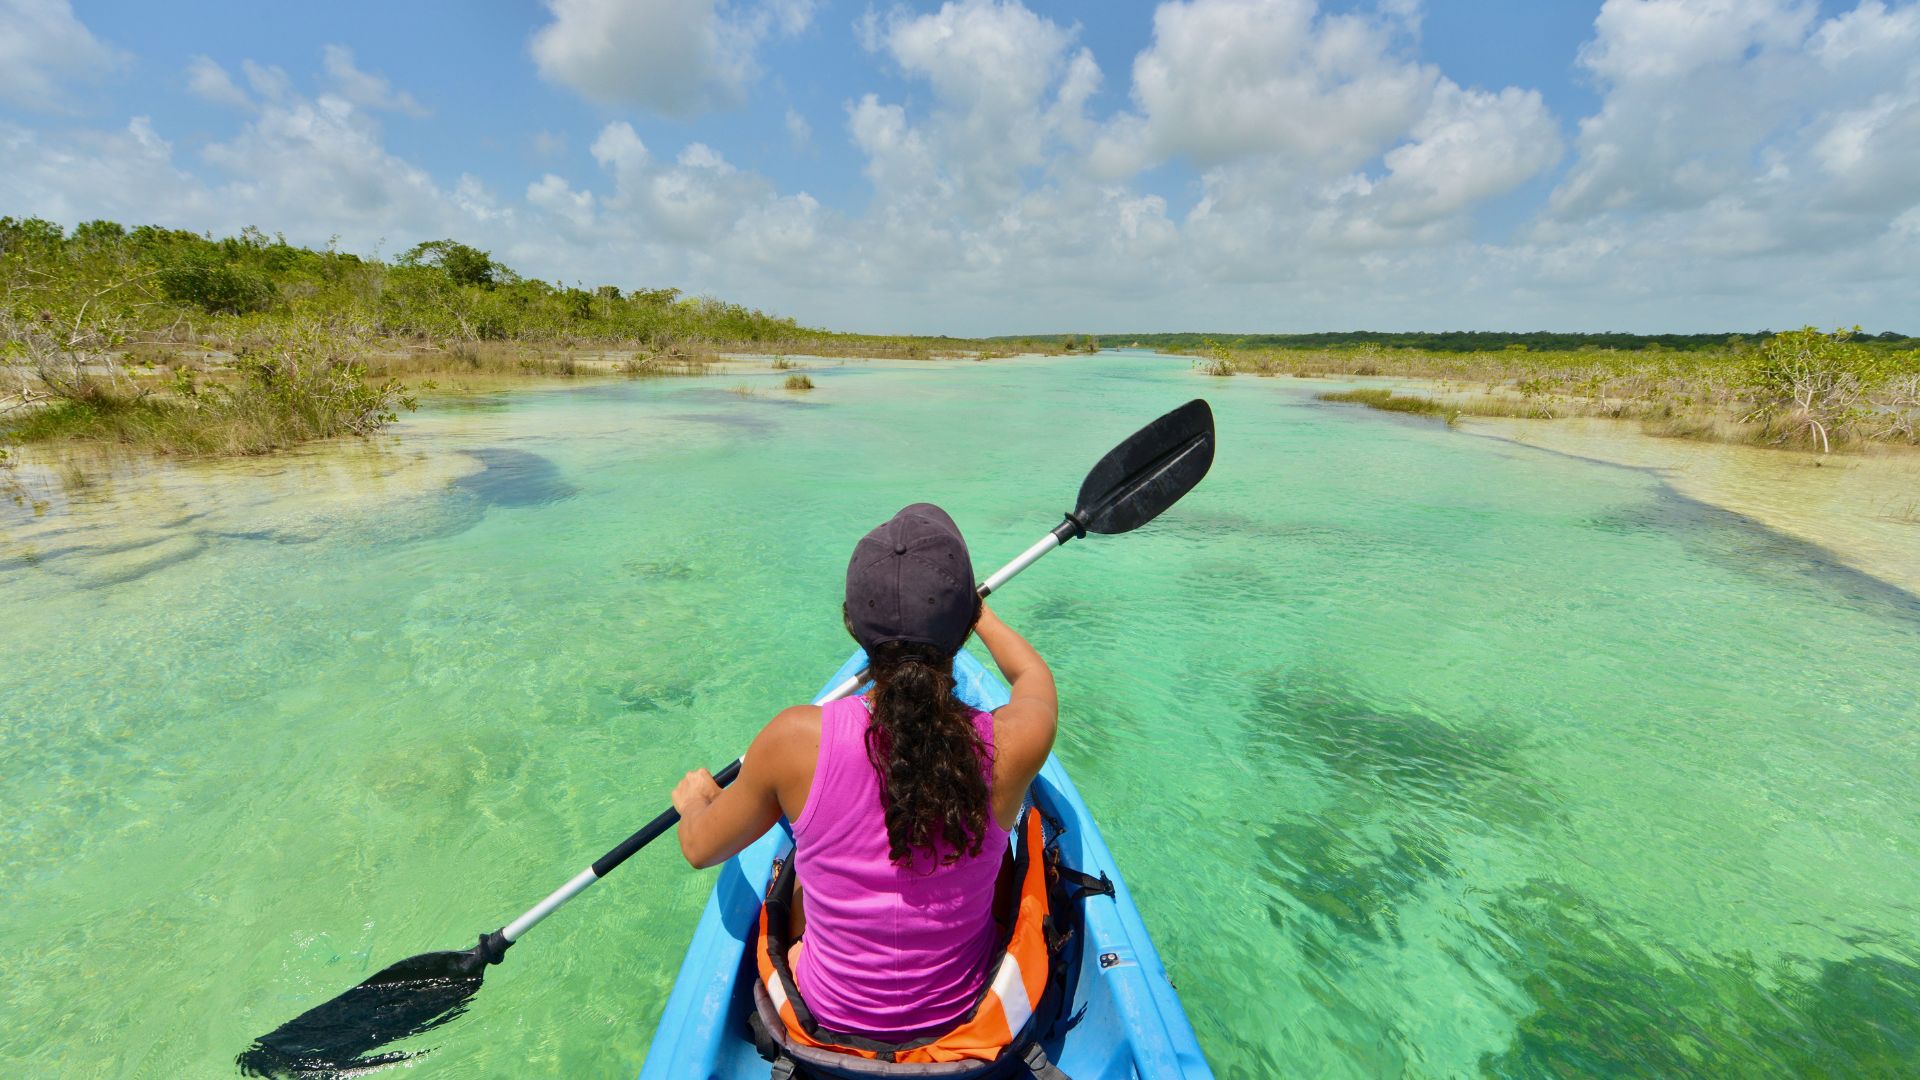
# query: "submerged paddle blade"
[[340, 1037], [1149, 472]]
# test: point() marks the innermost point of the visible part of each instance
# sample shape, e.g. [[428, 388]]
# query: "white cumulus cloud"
[[1469, 147], [1228, 78], [672, 56], [799, 131], [1749, 126], [1270, 164], [367, 90], [554, 195], [210, 82], [43, 48], [1008, 89]]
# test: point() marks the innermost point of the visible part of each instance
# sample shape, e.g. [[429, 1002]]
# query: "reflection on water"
[[1424, 754]]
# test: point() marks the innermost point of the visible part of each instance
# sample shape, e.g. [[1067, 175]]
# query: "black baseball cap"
[[911, 579]]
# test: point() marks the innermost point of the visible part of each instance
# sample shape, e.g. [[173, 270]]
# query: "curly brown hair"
[[932, 764]]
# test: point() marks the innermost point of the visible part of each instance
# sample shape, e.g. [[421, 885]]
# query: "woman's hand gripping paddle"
[[1131, 486]]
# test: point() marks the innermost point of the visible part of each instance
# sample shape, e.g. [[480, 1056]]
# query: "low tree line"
[[159, 279], [1806, 387], [1462, 341]]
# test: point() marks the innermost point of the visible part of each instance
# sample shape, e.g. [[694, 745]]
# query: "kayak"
[[1131, 1022]]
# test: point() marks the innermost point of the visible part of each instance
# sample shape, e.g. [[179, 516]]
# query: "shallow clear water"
[[1424, 753]]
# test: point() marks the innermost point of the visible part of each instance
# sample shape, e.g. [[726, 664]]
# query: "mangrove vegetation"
[[1804, 388], [1467, 341], [175, 342]]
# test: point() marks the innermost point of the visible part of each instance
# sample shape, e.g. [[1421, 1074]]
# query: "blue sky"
[[984, 166]]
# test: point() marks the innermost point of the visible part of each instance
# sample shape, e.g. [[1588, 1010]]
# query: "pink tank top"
[[889, 951]]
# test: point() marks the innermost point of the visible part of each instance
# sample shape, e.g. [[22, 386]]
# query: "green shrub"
[[216, 289], [461, 264], [1813, 387], [1218, 361]]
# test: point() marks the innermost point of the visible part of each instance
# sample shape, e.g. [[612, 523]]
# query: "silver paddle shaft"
[[579, 882]]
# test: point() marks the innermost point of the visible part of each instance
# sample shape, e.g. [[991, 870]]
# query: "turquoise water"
[[1425, 754]]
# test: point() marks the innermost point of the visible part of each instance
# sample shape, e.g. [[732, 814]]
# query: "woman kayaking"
[[901, 799]]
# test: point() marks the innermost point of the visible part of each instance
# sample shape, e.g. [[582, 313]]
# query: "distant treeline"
[[156, 279], [1446, 341]]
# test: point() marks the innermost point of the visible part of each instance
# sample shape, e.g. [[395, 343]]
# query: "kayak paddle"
[[1130, 486]]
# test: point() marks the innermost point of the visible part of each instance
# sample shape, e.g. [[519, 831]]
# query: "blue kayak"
[[1131, 1021]]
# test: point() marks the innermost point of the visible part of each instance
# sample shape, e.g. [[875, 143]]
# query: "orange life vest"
[[1006, 1004]]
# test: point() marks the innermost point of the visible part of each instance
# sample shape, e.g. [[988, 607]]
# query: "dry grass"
[[509, 359], [668, 365], [798, 382], [1499, 405]]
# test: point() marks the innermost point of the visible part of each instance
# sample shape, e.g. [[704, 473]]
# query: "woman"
[[901, 799]]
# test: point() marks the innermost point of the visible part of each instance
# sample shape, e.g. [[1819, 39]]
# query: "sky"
[[998, 166]]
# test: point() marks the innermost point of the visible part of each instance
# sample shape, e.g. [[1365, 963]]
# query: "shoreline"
[[1861, 506]]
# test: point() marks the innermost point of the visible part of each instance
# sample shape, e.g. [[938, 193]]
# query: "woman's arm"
[[1024, 727], [715, 823]]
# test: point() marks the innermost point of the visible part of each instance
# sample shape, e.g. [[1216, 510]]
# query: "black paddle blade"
[[1149, 472], [340, 1037]]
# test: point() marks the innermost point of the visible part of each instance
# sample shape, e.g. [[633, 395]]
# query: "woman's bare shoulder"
[[792, 727]]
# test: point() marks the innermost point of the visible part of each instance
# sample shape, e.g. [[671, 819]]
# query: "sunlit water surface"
[[1425, 754]]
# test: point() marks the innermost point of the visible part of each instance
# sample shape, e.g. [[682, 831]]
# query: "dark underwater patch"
[[472, 403], [1407, 784], [1351, 873], [1211, 582], [1205, 524], [134, 572], [32, 556], [753, 421], [647, 697], [1607, 1006], [1063, 611], [1368, 745], [664, 569], [739, 421], [515, 478], [267, 535]]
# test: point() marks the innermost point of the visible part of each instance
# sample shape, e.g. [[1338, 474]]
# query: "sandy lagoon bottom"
[[1425, 754]]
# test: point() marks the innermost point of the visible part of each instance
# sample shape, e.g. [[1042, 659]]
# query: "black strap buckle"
[[1087, 884]]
